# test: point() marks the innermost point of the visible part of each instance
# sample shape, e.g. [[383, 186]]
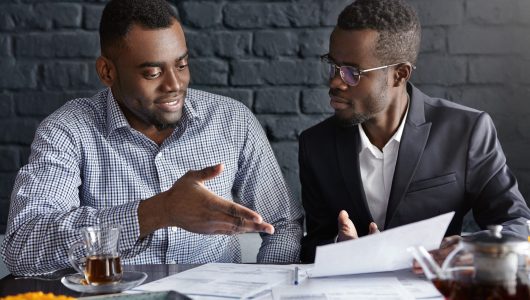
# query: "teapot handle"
[[427, 263], [451, 255]]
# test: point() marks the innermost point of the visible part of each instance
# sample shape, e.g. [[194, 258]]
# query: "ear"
[[106, 70], [402, 74]]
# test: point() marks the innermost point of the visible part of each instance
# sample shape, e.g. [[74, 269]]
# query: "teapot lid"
[[494, 242]]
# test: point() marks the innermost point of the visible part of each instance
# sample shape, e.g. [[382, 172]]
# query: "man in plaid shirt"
[[180, 170]]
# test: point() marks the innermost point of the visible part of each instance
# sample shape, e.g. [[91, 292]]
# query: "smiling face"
[[150, 76], [370, 97]]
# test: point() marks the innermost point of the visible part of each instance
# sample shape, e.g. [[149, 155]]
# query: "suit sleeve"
[[320, 228], [492, 185]]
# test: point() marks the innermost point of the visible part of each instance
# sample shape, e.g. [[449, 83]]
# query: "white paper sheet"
[[344, 287], [400, 284], [385, 251], [223, 280]]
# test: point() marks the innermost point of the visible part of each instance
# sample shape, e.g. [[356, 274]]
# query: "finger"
[[236, 210], [372, 228], [206, 173], [416, 268], [242, 226], [439, 255], [347, 230], [343, 215], [235, 225], [450, 240]]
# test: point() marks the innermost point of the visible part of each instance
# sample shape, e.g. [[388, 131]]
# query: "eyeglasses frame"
[[326, 59]]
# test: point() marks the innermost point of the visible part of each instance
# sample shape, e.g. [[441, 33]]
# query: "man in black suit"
[[392, 155]]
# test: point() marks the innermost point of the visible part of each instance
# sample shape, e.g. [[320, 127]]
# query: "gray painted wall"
[[265, 54]]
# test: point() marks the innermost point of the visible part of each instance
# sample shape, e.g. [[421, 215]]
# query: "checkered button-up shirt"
[[88, 166]]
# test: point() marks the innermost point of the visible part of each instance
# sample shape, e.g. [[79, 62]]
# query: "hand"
[[188, 204], [347, 230], [447, 246]]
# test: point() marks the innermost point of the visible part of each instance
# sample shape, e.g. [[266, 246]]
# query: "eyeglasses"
[[350, 75]]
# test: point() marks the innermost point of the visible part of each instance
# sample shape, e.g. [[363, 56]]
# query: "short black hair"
[[119, 15], [396, 21]]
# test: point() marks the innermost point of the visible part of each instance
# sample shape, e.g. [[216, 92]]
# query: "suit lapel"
[[347, 142], [413, 141]]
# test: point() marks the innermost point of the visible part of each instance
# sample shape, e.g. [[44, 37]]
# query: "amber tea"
[[103, 269], [455, 290]]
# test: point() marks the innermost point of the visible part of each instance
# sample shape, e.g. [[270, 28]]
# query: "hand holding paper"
[[347, 230], [381, 252]]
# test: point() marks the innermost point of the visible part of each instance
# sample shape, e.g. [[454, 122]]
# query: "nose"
[[172, 81], [336, 81]]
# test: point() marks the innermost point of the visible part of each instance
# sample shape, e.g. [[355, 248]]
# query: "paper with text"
[[385, 251], [224, 280]]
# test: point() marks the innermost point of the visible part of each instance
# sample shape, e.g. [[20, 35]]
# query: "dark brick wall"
[[265, 54]]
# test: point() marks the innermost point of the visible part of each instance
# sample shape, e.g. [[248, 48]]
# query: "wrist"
[[152, 215]]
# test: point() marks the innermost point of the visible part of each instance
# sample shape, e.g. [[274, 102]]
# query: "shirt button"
[[174, 229], [173, 262]]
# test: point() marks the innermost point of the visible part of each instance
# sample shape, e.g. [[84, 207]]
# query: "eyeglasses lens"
[[350, 75]]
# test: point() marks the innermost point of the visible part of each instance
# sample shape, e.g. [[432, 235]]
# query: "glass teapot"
[[490, 266]]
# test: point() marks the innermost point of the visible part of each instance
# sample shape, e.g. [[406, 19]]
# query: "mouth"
[[170, 104], [338, 103]]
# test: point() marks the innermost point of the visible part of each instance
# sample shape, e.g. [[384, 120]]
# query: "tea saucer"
[[128, 281]]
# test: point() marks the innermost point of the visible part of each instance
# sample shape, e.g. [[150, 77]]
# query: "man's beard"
[[161, 125], [377, 104], [352, 121]]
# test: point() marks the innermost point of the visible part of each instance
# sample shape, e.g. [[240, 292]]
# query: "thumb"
[[373, 228], [343, 216], [346, 228], [207, 173]]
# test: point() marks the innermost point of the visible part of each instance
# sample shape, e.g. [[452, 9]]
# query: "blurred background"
[[266, 55]]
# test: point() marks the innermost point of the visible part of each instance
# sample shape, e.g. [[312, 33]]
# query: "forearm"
[[38, 242]]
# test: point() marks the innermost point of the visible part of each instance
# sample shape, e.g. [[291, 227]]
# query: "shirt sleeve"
[[259, 185], [46, 211]]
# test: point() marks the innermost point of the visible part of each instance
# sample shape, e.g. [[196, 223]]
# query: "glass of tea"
[[101, 263]]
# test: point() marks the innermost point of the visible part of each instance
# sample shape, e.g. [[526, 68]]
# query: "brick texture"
[[265, 54]]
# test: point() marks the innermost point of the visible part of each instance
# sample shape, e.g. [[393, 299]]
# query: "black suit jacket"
[[449, 159]]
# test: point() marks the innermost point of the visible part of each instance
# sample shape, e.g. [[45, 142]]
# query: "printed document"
[[224, 280], [384, 251]]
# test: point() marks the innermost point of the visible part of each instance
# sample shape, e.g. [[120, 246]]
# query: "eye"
[[152, 75], [181, 67]]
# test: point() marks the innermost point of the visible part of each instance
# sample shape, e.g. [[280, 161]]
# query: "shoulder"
[[208, 105], [441, 113], [320, 132], [439, 105], [226, 117], [79, 113]]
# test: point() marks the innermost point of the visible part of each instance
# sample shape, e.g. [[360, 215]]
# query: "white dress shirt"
[[377, 170]]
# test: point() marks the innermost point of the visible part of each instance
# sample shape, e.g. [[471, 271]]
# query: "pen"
[[295, 275]]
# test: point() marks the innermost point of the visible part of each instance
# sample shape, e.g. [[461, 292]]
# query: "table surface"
[[11, 285]]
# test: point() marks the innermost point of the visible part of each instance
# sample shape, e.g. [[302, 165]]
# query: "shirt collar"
[[116, 119], [365, 141]]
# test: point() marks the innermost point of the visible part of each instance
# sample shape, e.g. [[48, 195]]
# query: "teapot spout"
[[431, 269]]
